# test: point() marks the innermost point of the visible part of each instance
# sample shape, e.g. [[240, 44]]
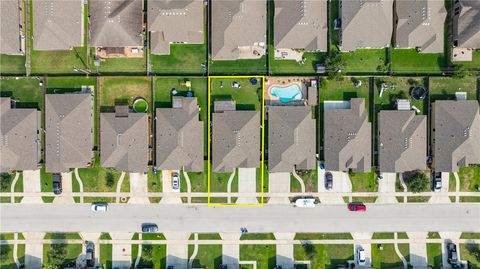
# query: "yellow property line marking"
[[262, 167]]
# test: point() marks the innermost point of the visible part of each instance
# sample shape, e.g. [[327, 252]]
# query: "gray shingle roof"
[[10, 27], [402, 141], [179, 21], [124, 141], [420, 24], [466, 29], [69, 131], [236, 140], [366, 23], [19, 137], [291, 138], [180, 136], [116, 23], [301, 24], [348, 138], [457, 134], [57, 24], [237, 23]]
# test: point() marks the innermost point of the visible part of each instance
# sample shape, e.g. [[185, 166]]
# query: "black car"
[[149, 228], [452, 253], [90, 254], [57, 183], [328, 181]]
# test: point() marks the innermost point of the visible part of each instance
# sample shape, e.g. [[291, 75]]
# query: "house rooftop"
[[466, 29], [10, 22]]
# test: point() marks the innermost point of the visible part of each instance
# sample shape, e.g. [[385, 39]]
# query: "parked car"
[[305, 202], [149, 228], [328, 181], [90, 257], [57, 183], [452, 253], [175, 181], [99, 207], [361, 260], [357, 207], [437, 181]]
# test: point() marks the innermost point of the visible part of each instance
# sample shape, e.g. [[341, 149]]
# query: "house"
[[124, 140], [301, 25], [19, 137], [175, 22], [69, 131], [12, 36], [238, 29], [116, 24], [57, 24], [291, 138], [348, 138], [402, 141], [420, 24], [456, 134], [180, 136], [235, 139], [466, 29], [366, 24]]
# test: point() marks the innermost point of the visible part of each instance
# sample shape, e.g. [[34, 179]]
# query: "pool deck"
[[284, 82]]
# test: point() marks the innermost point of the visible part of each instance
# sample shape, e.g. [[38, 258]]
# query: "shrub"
[[418, 182], [5, 181], [110, 179]]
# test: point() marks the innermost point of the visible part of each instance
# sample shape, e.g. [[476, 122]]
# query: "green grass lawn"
[[445, 88], [106, 255], [69, 84], [124, 90], [208, 256], [364, 182], [257, 236], [322, 236], [219, 182], [45, 180], [95, 178], [386, 258], [12, 64], [25, 90], [365, 61], [409, 61], [310, 179], [206, 236], [248, 97], [475, 63], [59, 62], [154, 181], [7, 261], [72, 251], [119, 65], [469, 178], [62, 236], [324, 256], [198, 180], [183, 59], [264, 255], [470, 253], [292, 67], [238, 67], [344, 89], [153, 256], [434, 255], [399, 89]]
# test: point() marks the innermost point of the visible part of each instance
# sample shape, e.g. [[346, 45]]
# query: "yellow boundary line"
[[262, 161]]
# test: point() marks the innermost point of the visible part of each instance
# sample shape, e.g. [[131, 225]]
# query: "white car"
[[305, 202], [99, 207], [175, 182], [361, 257]]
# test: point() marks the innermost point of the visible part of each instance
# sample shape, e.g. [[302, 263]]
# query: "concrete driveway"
[[177, 254], [247, 183], [31, 184], [33, 252], [66, 196], [279, 183], [138, 185], [366, 247], [386, 185], [167, 187], [121, 253], [418, 250], [435, 199], [341, 183], [231, 252]]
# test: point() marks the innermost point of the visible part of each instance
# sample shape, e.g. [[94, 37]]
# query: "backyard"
[[124, 91], [238, 67], [292, 67], [247, 95], [398, 88], [27, 91], [183, 59], [445, 88], [12, 64], [412, 62], [119, 65]]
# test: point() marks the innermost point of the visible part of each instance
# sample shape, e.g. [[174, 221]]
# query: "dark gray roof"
[[236, 140], [402, 141], [301, 24], [366, 23], [291, 138], [180, 136], [457, 134], [235, 24], [116, 23], [57, 24], [420, 25], [348, 138], [69, 131], [10, 21], [180, 21], [124, 141], [19, 137], [466, 29]]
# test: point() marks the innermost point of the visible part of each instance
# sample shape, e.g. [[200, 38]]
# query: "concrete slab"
[[231, 255], [284, 256], [121, 253], [387, 185], [177, 254], [66, 197], [279, 183], [31, 184], [33, 252], [368, 255], [247, 183], [341, 184], [167, 187], [138, 185]]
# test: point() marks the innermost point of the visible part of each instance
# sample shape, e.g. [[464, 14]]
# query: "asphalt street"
[[270, 218]]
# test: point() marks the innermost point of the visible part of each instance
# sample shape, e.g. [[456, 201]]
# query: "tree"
[[4, 251], [474, 250], [309, 249], [460, 71], [334, 63], [110, 179], [418, 182], [56, 256], [5, 181]]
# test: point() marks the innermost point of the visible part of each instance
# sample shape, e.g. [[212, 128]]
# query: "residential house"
[[235, 138], [116, 23], [69, 131], [402, 141], [19, 137], [12, 36], [420, 24], [291, 138], [175, 22], [348, 138], [238, 29], [456, 134], [180, 136], [366, 24], [57, 24], [466, 29], [124, 140]]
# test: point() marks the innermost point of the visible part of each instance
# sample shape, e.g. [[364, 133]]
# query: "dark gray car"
[[328, 181], [90, 257], [57, 183], [149, 228]]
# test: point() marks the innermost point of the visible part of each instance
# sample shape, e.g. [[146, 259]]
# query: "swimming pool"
[[287, 94]]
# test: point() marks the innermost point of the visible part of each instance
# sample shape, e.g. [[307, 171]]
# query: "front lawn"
[[445, 88], [6, 255], [258, 236], [219, 182], [471, 254], [153, 256], [399, 88], [364, 182], [324, 256], [310, 179], [183, 59], [469, 178], [385, 258], [411, 62], [264, 255], [247, 97], [199, 180], [27, 91], [124, 91], [322, 236], [53, 252], [12, 64], [434, 255], [238, 67], [106, 255], [101, 179], [208, 256]]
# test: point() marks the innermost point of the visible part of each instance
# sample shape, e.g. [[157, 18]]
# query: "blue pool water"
[[287, 94]]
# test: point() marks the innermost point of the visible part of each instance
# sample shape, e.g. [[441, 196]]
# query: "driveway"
[[341, 184], [138, 185], [177, 254], [386, 185], [437, 199], [247, 183], [167, 187], [33, 252], [284, 255], [231, 252], [66, 196], [121, 253], [279, 183], [366, 247], [31, 184]]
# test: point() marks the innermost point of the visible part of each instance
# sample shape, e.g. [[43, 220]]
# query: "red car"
[[356, 207]]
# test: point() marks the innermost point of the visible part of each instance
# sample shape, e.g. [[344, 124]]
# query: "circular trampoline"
[[140, 105], [418, 93]]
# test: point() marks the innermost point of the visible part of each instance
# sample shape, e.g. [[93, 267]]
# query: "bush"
[[56, 256], [4, 250], [110, 179], [418, 182], [5, 181]]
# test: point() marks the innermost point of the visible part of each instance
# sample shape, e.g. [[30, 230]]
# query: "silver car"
[[175, 181]]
